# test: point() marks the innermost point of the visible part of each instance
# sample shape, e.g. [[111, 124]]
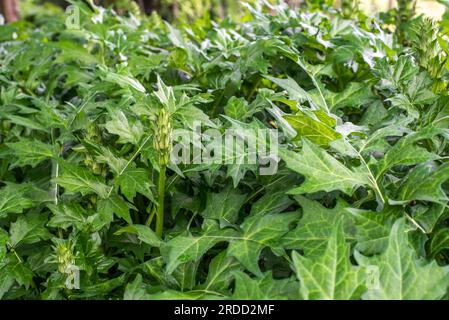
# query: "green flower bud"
[[162, 136], [349, 8], [428, 52], [64, 255]]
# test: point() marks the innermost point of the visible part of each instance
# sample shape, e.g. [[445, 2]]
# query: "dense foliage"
[[356, 210]]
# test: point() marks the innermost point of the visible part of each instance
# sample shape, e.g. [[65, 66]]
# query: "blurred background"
[[190, 9], [431, 8]]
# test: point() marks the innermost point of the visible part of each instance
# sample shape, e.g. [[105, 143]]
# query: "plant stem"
[[217, 104], [54, 169], [17, 256], [161, 196], [151, 216], [371, 177], [254, 88]]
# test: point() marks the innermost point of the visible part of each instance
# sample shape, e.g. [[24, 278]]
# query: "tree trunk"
[[390, 4], [221, 10], [10, 10], [149, 6], [175, 9]]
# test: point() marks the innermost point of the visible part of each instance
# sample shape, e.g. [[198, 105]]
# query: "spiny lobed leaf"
[[322, 171], [330, 276], [355, 208], [401, 274]]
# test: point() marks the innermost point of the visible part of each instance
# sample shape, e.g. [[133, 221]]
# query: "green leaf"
[[116, 205], [124, 81], [186, 247], [76, 179], [424, 183], [189, 116], [253, 54], [100, 219], [354, 95], [128, 132], [136, 290], [165, 95], [100, 288], [178, 295], [271, 202], [439, 241], [220, 274], [265, 288], [237, 168], [378, 139], [428, 219], [403, 102], [316, 226], [330, 276], [72, 51], [402, 275], [418, 92], [13, 199], [322, 171], [294, 90], [144, 233], [21, 272], [30, 152], [6, 280], [224, 206], [108, 157], [315, 131], [259, 232], [133, 181], [185, 275], [27, 122], [373, 228], [395, 75], [362, 121], [28, 229], [3, 240], [407, 152], [236, 108], [67, 215]]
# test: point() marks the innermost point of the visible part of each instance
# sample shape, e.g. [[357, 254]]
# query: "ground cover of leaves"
[[356, 210]]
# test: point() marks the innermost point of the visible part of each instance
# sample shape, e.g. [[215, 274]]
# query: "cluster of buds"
[[93, 133], [94, 166], [428, 51], [66, 262], [65, 259], [64, 255], [134, 8], [349, 8], [162, 136]]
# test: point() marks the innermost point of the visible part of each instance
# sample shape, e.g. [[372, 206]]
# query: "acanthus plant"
[[88, 119]]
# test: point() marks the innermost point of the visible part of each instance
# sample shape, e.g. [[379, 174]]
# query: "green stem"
[[55, 169], [254, 88], [217, 104], [161, 196], [151, 216], [15, 253], [370, 174]]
